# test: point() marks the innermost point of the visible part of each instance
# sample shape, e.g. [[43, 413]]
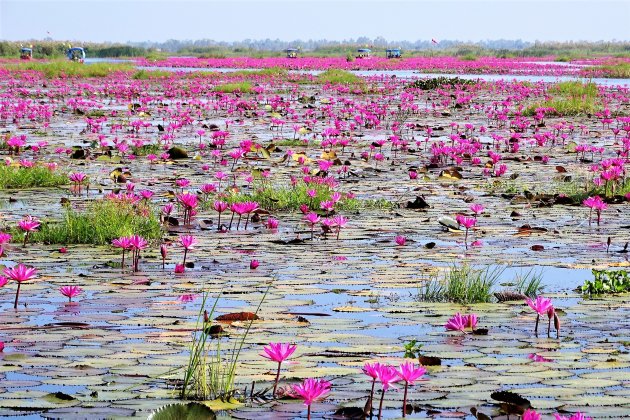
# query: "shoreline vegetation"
[[562, 51]]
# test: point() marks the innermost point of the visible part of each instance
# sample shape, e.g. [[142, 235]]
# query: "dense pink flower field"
[[541, 66]]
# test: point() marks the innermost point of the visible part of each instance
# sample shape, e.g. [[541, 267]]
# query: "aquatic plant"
[[607, 281], [595, 203], [310, 390], [387, 375], [28, 225], [461, 322], [337, 76], [70, 291], [409, 374], [467, 223], [371, 370], [243, 87], [19, 273], [78, 178], [278, 352], [543, 306], [20, 177], [100, 223], [529, 283], [187, 242], [208, 374], [465, 284]]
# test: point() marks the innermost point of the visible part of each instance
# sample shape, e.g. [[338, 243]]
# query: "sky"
[[236, 20]]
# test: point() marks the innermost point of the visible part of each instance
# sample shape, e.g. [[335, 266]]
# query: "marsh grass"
[[529, 283], [616, 71], [242, 87], [19, 177], [211, 371], [144, 74], [578, 191], [66, 68], [284, 198], [570, 98], [461, 284], [99, 224], [336, 76], [270, 72]]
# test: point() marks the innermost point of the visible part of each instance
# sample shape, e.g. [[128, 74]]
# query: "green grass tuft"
[[335, 76], [19, 177], [100, 223], [242, 87], [57, 69], [461, 284], [283, 198]]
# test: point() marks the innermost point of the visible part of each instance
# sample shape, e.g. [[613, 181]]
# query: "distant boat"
[[26, 53], [76, 54], [393, 53], [292, 52], [363, 53]]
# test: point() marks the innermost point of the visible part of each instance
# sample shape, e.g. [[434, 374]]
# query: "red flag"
[[434, 41]]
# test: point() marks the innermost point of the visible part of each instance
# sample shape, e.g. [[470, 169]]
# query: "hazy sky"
[[156, 20]]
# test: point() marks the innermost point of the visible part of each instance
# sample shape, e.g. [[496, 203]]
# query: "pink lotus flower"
[[253, 264], [468, 223], [400, 240], [5, 238], [70, 291], [595, 203], [220, 206], [457, 323], [531, 415], [543, 306], [1, 346], [387, 375], [409, 373], [124, 243], [188, 242], [278, 352], [311, 390], [28, 224], [476, 208], [371, 370], [312, 219], [180, 268], [20, 273], [272, 223]]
